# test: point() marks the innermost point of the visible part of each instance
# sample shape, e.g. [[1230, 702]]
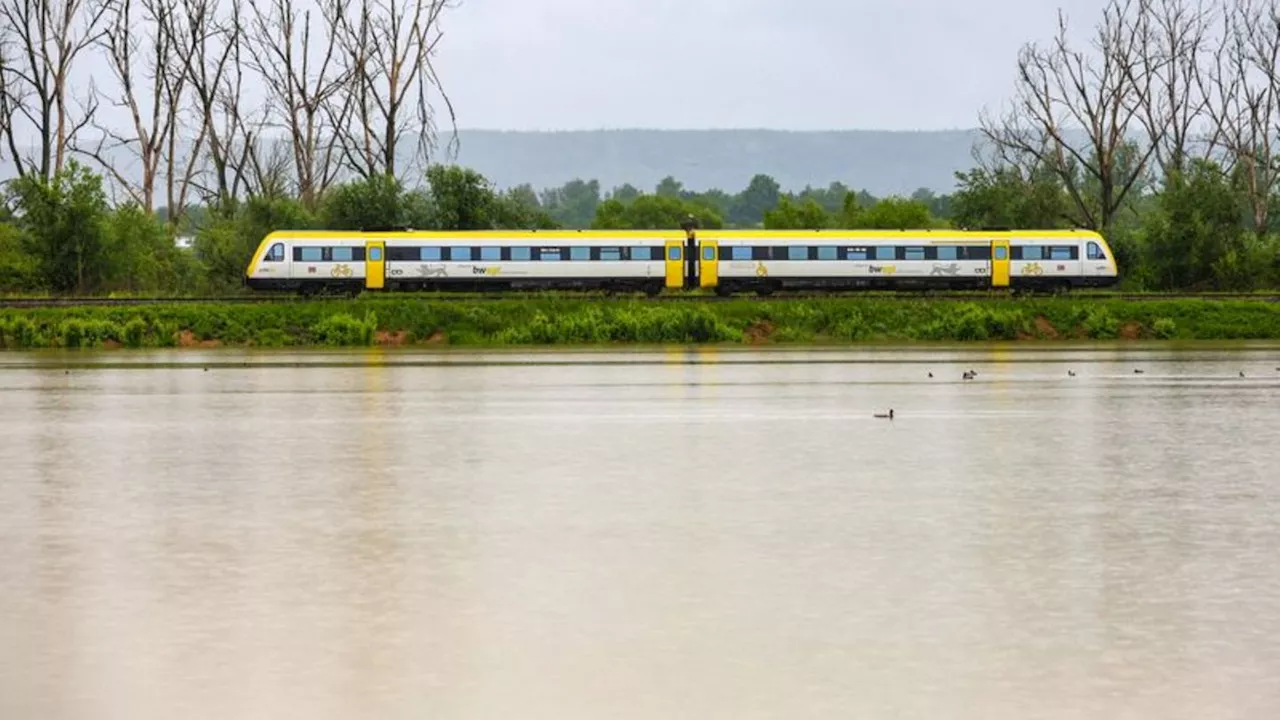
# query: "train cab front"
[[269, 269], [1099, 265]]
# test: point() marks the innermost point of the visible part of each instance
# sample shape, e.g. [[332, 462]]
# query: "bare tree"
[[301, 75], [1165, 69], [208, 43], [153, 101], [387, 50], [44, 37], [1243, 86], [1074, 114]]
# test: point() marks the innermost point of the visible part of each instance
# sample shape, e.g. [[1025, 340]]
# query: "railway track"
[[17, 303]]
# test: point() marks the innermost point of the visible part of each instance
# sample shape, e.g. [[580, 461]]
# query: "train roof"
[[675, 233]]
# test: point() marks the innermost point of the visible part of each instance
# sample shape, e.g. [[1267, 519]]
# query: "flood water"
[[660, 534]]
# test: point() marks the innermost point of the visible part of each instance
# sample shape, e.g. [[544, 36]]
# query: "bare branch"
[[42, 40], [1243, 85], [1074, 113], [387, 49]]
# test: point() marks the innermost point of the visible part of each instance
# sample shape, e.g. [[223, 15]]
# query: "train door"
[[710, 264], [674, 263], [375, 264], [999, 263]]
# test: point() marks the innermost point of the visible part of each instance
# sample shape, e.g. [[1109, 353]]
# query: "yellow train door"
[[375, 265], [999, 263], [675, 264], [709, 265]]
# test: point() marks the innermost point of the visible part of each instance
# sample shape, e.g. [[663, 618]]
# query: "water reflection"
[[680, 533]]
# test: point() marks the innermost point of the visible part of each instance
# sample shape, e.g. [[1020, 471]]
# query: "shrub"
[[135, 332], [342, 329]]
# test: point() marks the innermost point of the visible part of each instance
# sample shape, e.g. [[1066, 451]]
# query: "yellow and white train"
[[727, 261]]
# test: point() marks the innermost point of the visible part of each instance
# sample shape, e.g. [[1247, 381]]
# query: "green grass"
[[562, 321]]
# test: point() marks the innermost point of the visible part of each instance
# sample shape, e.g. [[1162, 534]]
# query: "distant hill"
[[880, 162]]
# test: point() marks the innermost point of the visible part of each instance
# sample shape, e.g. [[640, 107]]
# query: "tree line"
[[1163, 132]]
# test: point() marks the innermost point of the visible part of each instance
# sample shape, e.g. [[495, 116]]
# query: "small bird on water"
[[930, 374], [1071, 373], [1136, 371], [886, 415]]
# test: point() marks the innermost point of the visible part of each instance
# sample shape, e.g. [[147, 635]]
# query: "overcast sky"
[[784, 64]]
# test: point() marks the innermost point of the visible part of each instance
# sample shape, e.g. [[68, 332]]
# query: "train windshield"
[[1095, 252]]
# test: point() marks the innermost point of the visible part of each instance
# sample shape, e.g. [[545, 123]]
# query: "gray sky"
[[779, 64]]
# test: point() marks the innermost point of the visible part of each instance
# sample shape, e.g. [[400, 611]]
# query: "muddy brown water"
[[651, 534]]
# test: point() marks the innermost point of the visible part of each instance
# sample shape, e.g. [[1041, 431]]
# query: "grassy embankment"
[[595, 322]]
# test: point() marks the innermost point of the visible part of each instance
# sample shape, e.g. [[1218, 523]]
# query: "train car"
[[767, 260], [309, 262], [727, 261]]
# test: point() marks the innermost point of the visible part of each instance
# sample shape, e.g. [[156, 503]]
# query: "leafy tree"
[[1004, 198], [652, 212], [225, 246], [760, 196], [574, 203], [625, 193], [64, 220], [669, 187], [19, 269], [375, 201], [462, 199], [518, 209], [892, 213], [1194, 239], [717, 200], [141, 255], [830, 198], [790, 215]]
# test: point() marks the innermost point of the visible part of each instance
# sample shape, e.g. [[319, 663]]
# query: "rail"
[[47, 302]]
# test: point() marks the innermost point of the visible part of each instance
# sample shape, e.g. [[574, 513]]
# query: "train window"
[[521, 254], [461, 253], [708, 253], [490, 253], [311, 254], [1029, 252], [855, 253], [579, 253], [430, 254], [914, 253], [946, 252], [885, 252], [342, 254], [375, 254], [977, 252], [1001, 252], [402, 254], [673, 252], [797, 252], [276, 253], [742, 253], [827, 252], [641, 253], [549, 254], [1095, 252], [610, 253], [1060, 252]]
